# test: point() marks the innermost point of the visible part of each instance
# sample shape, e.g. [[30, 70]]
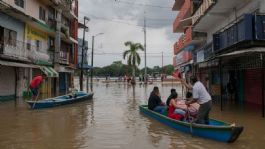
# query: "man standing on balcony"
[[35, 84]]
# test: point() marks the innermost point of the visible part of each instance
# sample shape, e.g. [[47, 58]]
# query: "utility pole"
[[92, 61], [145, 69], [82, 58], [162, 60], [162, 65], [57, 48]]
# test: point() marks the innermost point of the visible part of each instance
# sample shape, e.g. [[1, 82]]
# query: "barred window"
[[10, 37], [20, 3], [42, 15]]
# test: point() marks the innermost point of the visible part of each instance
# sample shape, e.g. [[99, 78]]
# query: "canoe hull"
[[217, 130], [61, 100]]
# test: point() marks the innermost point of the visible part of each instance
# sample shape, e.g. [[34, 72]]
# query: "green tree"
[[168, 69], [134, 59]]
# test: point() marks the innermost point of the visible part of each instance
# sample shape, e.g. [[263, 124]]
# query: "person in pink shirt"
[[35, 84]]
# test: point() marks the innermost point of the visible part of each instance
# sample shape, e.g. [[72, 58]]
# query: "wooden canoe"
[[60, 100], [216, 130]]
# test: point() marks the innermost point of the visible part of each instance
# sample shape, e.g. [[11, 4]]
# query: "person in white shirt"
[[202, 97]]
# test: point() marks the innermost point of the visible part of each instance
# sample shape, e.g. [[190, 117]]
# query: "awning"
[[16, 64], [49, 71]]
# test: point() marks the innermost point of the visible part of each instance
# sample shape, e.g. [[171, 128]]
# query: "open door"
[[1, 40]]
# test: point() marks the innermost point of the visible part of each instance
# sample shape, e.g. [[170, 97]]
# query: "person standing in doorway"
[[202, 97], [35, 84]]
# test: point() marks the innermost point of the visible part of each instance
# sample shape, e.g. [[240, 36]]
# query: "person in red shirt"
[[35, 83]]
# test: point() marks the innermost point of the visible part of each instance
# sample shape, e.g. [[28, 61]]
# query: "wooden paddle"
[[35, 100], [190, 118]]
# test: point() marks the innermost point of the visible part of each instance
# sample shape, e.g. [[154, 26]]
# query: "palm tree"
[[134, 59]]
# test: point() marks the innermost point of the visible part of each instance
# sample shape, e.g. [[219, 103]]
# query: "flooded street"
[[112, 120]]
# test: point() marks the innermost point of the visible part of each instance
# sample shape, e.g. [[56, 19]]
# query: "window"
[[20, 3], [10, 37], [42, 14], [38, 45], [51, 46], [28, 46]]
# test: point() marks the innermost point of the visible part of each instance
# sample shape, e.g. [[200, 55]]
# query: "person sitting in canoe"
[[202, 97], [73, 92], [155, 103], [35, 84], [181, 108], [173, 108], [172, 91]]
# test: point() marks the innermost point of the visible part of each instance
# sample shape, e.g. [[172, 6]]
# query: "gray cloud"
[[122, 22]]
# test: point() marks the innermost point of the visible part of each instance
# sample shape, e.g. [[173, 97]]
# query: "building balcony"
[[180, 24], [13, 49], [247, 32], [38, 55], [177, 5], [206, 4], [65, 30], [189, 38], [50, 2], [64, 57], [212, 11], [69, 8]]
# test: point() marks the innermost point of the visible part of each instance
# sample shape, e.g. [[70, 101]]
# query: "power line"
[[122, 22], [143, 5]]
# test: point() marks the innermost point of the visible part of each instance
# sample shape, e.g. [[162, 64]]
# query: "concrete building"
[[231, 61], [29, 44]]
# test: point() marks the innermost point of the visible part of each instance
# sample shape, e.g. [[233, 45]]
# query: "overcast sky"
[[122, 21]]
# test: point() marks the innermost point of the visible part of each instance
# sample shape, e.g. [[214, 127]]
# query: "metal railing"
[[13, 48], [186, 7], [183, 40], [206, 4], [64, 57]]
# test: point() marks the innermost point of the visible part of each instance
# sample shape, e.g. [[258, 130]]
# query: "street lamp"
[[82, 56], [92, 60]]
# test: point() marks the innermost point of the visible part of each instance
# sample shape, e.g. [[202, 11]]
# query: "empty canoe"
[[60, 100]]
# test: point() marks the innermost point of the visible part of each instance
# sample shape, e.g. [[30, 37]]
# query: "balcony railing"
[[206, 4], [185, 9], [13, 48], [22, 51], [64, 57], [183, 40], [70, 7], [248, 28]]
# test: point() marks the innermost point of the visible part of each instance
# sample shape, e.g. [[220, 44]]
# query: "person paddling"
[[202, 97], [35, 84]]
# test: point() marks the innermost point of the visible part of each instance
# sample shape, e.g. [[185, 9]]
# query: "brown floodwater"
[[112, 121]]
